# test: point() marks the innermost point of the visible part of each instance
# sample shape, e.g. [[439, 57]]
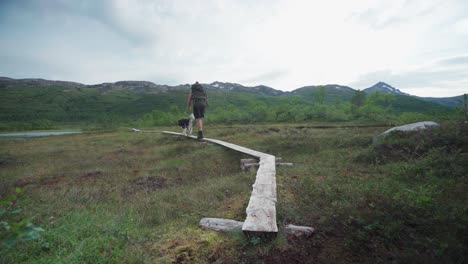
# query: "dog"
[[187, 124]]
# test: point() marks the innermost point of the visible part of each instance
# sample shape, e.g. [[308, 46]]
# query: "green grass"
[[105, 197]]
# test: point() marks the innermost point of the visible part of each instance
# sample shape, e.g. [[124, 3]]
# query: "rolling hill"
[[43, 101]]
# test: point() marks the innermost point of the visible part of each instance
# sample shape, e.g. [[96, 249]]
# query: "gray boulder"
[[409, 127]]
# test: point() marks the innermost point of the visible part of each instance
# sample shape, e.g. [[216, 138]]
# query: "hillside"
[[455, 101], [40, 104], [331, 92], [234, 87]]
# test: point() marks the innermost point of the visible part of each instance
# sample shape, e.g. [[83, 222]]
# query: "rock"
[[409, 127]]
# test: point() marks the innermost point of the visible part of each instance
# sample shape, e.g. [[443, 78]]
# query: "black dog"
[[184, 122], [187, 125]]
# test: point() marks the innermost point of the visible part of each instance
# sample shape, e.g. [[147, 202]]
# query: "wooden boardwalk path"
[[261, 210]]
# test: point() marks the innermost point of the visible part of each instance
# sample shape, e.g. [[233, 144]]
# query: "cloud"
[[384, 14], [461, 26], [279, 43], [444, 76], [265, 77], [456, 60]]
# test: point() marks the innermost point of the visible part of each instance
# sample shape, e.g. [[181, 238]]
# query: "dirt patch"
[[24, 182], [178, 181], [121, 153], [92, 175], [48, 182], [41, 181], [53, 182], [146, 183], [7, 159], [298, 250], [268, 130]]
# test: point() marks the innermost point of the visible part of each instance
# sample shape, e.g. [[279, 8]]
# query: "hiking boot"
[[200, 135]]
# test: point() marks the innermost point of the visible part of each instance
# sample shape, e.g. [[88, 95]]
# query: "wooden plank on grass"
[[219, 224], [261, 210]]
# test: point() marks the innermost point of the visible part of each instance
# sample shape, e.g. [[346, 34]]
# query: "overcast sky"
[[420, 47]]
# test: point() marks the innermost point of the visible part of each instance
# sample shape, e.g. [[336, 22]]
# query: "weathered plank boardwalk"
[[261, 210]]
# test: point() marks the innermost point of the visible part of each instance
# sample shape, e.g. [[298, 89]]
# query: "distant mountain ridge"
[[384, 88], [234, 87], [30, 104], [151, 88], [5, 81], [454, 101], [327, 86]]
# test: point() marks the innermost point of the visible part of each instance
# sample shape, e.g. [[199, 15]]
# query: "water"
[[38, 134]]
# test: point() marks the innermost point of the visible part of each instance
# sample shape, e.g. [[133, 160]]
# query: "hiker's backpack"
[[198, 92]]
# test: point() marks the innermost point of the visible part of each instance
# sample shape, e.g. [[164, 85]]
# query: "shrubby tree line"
[[91, 110], [375, 107]]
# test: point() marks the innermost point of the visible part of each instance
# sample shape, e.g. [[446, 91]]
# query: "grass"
[[105, 197]]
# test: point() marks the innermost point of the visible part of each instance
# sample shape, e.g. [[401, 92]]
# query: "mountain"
[[137, 87], [384, 88], [336, 87], [454, 101], [331, 93], [9, 82], [234, 87], [36, 103]]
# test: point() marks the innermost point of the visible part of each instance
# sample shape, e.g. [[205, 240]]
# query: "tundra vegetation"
[[117, 196], [109, 195]]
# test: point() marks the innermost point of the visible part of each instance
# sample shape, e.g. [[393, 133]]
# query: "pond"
[[28, 134]]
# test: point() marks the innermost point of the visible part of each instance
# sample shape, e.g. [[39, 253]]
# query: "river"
[[28, 134]]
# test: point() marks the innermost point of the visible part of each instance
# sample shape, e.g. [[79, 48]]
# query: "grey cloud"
[[103, 12], [164, 41], [377, 17], [457, 60], [445, 74], [267, 76], [21, 67], [417, 78], [161, 40]]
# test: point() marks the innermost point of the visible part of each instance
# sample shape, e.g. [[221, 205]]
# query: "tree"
[[319, 95], [465, 103], [380, 99], [358, 100]]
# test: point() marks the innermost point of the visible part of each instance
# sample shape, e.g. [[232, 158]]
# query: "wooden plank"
[[220, 224], [299, 231], [261, 210], [245, 166], [246, 161]]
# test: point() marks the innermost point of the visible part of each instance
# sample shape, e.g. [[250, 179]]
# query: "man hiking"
[[199, 99]]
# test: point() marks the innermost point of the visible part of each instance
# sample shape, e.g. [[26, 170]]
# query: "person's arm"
[[189, 100]]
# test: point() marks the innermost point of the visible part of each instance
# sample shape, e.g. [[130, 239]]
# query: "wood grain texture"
[[261, 210]]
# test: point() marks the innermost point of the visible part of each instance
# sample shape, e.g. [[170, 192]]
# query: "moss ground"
[[105, 197]]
